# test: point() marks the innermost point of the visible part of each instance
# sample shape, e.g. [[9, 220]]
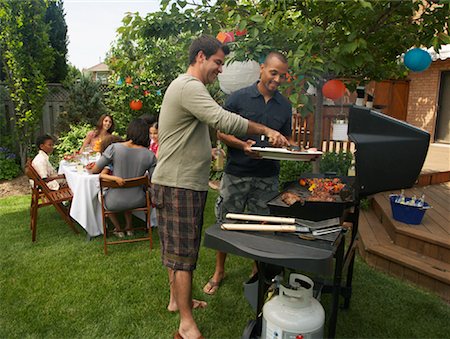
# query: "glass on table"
[[80, 167]]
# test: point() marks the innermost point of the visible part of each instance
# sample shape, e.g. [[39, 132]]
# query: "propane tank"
[[294, 312]]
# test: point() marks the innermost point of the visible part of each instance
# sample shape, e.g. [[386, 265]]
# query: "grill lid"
[[389, 153]]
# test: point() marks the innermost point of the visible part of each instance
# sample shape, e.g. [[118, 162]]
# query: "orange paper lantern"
[[333, 89], [225, 37], [135, 105], [128, 80]]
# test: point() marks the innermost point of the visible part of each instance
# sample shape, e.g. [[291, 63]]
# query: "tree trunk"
[[318, 124], [23, 155]]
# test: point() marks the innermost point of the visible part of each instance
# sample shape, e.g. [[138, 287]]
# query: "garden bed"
[[16, 186]]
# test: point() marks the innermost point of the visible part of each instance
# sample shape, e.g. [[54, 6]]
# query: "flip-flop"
[[211, 287], [198, 304]]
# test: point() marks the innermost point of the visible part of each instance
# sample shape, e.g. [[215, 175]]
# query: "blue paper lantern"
[[417, 60]]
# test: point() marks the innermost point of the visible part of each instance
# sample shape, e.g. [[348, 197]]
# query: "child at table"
[[154, 138], [42, 165]]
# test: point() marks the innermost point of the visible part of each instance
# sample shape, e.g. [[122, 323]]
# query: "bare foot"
[[193, 333], [172, 307]]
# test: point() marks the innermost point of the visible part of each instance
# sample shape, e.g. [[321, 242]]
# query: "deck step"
[[379, 250], [432, 237]]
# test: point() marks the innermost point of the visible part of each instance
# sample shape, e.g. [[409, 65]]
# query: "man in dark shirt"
[[249, 182]]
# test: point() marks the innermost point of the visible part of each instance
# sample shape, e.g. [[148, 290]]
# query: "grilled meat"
[[290, 198]]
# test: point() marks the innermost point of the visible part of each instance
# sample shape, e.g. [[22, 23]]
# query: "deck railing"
[[303, 132]]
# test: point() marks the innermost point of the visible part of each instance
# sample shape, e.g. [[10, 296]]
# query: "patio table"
[[85, 207]]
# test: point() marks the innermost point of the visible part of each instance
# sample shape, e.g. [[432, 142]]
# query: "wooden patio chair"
[[42, 195], [143, 182]]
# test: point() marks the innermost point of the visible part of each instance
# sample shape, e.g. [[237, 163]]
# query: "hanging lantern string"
[[158, 91]]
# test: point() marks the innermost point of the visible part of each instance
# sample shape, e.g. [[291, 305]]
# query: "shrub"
[[338, 163], [85, 104], [292, 170], [71, 141], [9, 168]]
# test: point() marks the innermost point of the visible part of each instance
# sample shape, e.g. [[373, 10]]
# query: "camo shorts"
[[245, 194]]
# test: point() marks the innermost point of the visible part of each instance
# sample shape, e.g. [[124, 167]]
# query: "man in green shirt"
[[181, 175]]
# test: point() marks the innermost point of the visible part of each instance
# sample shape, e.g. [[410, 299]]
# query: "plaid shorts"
[[180, 219]]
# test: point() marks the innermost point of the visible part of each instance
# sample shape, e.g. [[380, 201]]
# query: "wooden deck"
[[436, 168], [417, 253]]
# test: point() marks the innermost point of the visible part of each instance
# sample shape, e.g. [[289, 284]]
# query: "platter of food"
[[285, 154]]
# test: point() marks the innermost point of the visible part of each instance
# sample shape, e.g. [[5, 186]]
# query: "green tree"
[[26, 58], [54, 17], [73, 75], [357, 40], [151, 62], [85, 104]]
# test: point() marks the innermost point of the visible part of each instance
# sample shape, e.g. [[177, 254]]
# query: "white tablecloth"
[[85, 207]]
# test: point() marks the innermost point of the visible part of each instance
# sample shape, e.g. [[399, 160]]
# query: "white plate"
[[284, 154]]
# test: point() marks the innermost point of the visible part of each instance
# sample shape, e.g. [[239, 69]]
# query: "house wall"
[[423, 96]]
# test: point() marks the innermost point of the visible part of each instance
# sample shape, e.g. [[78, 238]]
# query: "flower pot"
[[339, 130]]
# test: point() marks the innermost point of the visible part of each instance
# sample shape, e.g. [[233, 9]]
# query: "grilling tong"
[[282, 224]]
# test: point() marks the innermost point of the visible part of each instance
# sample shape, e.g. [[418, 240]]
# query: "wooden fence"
[[55, 104]]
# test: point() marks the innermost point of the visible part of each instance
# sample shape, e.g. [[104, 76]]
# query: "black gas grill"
[[389, 155]]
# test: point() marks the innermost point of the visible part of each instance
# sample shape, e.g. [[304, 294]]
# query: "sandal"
[[211, 287], [119, 234]]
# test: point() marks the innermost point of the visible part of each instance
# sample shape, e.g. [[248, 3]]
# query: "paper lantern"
[[128, 80], [417, 60], [135, 105], [333, 89], [237, 75], [225, 37]]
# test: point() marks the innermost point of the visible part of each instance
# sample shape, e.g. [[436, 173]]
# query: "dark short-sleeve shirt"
[[276, 114]]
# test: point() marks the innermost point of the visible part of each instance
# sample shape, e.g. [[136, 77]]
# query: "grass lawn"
[[65, 287]]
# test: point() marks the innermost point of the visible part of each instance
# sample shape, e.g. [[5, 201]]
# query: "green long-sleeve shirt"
[[184, 153]]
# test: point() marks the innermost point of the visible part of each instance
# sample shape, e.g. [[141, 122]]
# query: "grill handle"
[[266, 218], [265, 228]]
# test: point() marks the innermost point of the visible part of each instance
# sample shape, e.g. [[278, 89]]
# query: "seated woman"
[[105, 126], [42, 165], [129, 159]]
